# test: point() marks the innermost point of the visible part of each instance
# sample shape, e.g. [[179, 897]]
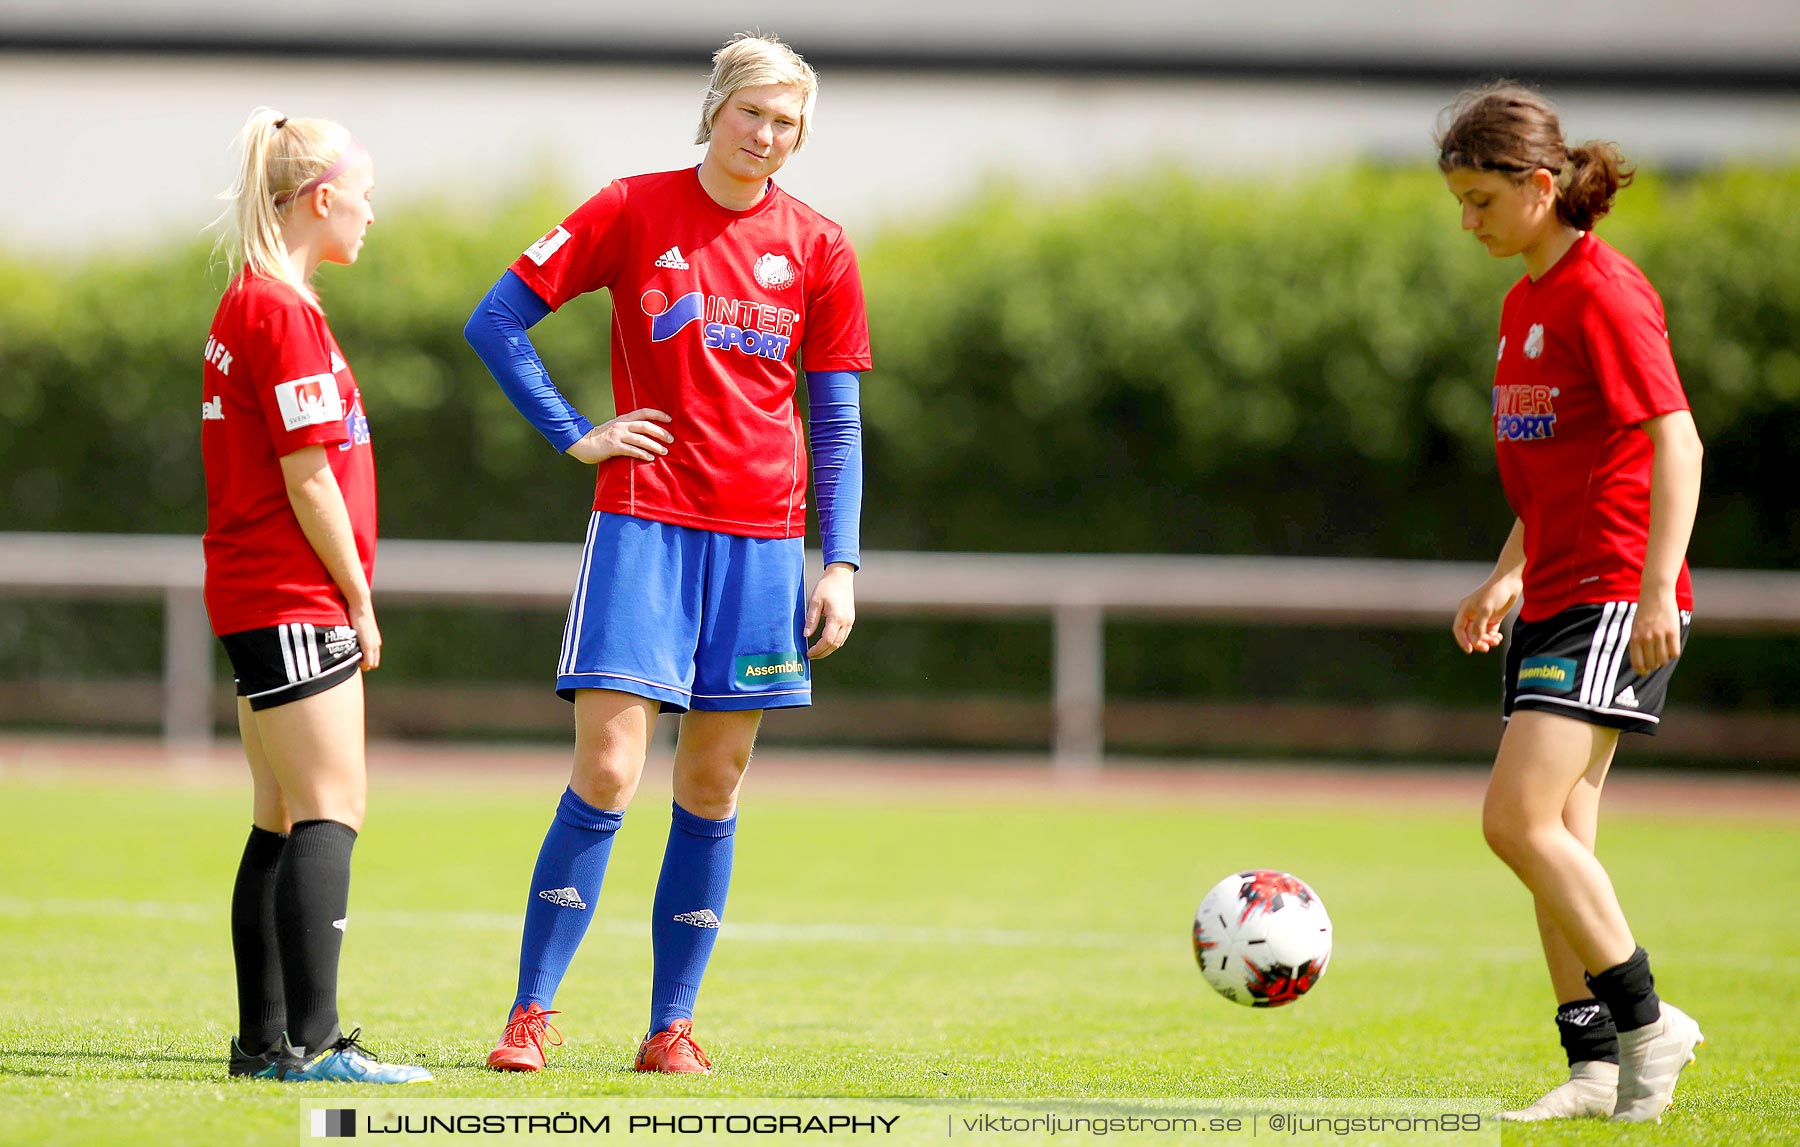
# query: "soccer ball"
[[1262, 938]]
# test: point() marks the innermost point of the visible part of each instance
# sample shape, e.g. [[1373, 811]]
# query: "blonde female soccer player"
[[691, 596], [290, 549], [1601, 464]]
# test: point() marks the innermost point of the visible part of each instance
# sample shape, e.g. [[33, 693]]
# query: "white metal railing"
[[1078, 592]]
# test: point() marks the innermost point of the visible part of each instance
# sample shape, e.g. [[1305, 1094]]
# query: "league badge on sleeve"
[[549, 245], [309, 401]]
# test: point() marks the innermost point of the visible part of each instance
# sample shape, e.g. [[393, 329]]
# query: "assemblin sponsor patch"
[[1547, 674], [761, 668]]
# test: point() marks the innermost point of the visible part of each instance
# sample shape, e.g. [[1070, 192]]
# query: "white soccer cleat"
[[1590, 1093], [1649, 1060]]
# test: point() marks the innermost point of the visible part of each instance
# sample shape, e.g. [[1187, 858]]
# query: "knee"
[[1506, 830], [606, 774], [1514, 836], [709, 789]]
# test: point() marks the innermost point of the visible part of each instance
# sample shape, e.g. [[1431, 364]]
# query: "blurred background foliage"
[[1167, 365]]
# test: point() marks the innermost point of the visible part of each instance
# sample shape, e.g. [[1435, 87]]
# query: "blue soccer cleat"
[[344, 1061]]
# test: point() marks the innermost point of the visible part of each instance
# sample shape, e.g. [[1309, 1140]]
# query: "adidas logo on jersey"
[[1626, 698], [672, 259], [563, 897], [701, 919]]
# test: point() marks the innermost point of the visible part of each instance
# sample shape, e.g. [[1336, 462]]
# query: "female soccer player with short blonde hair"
[[1601, 463], [691, 596]]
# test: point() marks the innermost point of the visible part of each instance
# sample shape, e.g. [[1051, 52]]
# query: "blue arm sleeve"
[[497, 332], [835, 437]]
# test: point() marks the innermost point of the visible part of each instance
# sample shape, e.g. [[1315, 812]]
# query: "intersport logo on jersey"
[[740, 325], [1524, 413]]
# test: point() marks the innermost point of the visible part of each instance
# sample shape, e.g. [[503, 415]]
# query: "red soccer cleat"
[[674, 1051], [521, 1048]]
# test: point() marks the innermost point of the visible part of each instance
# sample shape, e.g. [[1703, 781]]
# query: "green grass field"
[[903, 944]]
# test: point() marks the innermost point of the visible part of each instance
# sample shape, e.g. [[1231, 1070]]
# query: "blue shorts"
[[691, 618]]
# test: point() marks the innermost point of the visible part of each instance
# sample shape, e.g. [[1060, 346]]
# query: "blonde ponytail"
[[277, 156]]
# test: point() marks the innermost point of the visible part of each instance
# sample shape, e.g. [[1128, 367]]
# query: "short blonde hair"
[[277, 157], [751, 60]]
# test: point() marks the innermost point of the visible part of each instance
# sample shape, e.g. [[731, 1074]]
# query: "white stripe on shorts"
[[1599, 651], [287, 653], [578, 603], [1618, 659], [312, 649]]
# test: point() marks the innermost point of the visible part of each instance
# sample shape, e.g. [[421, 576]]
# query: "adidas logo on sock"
[[564, 897], [1580, 1017], [701, 919], [1626, 698], [340, 924], [672, 258]]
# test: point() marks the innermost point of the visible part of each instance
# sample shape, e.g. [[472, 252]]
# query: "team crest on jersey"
[[1534, 341], [774, 272]]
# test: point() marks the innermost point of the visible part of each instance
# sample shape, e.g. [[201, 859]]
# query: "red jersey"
[[714, 313], [275, 381], [1584, 361]]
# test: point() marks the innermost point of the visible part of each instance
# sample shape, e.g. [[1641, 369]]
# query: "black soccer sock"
[[262, 1010], [1629, 992], [1587, 1031], [312, 895]]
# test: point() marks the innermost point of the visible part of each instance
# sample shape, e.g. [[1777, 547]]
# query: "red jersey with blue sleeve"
[[1584, 361], [275, 381], [714, 314]]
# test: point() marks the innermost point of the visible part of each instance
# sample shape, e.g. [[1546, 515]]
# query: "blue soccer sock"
[[564, 886], [690, 901]]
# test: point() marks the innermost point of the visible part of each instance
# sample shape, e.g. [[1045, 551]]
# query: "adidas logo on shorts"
[[563, 897], [701, 919], [1626, 698], [672, 259]]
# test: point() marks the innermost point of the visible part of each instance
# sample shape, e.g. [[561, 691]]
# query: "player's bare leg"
[[262, 1008], [1593, 1083], [612, 738], [710, 758], [1542, 759], [313, 748]]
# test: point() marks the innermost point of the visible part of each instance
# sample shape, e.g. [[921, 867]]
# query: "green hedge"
[[1167, 365]]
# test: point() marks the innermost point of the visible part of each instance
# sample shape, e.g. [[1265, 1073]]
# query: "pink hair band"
[[342, 164]]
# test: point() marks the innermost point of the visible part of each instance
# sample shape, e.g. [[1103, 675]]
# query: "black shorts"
[[292, 660], [1578, 663]]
